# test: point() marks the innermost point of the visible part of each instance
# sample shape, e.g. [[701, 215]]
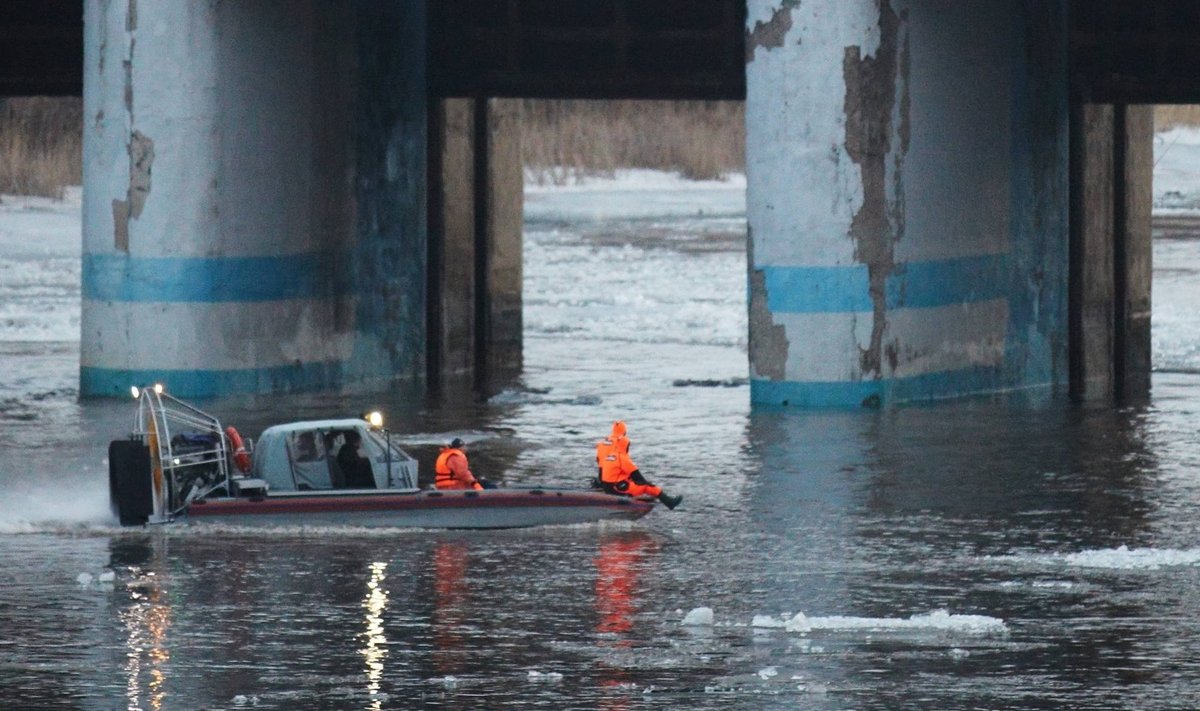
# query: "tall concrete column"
[[1111, 175], [906, 198], [253, 195], [476, 222]]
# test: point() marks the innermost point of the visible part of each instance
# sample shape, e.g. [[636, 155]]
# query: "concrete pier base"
[[254, 204], [907, 199]]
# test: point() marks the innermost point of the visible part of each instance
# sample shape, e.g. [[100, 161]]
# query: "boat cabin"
[[303, 456]]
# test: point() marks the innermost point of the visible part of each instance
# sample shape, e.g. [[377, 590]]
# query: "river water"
[[998, 552]]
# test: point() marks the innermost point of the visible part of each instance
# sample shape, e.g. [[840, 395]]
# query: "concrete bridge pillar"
[[476, 216], [1112, 164], [907, 170], [254, 195]]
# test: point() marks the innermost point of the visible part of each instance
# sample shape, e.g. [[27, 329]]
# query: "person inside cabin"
[[452, 470], [355, 467], [306, 447], [619, 475]]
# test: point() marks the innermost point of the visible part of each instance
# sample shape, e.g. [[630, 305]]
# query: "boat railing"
[[189, 450]]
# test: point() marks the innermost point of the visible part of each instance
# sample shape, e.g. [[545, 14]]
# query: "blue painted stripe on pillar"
[[928, 386], [118, 277], [107, 382], [912, 285]]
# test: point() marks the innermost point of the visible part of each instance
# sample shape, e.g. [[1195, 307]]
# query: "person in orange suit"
[[452, 470], [619, 475]]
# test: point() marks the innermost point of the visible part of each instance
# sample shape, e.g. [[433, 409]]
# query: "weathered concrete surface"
[[1135, 355], [451, 241], [254, 191], [504, 225], [476, 210], [907, 182], [1112, 163], [1093, 306]]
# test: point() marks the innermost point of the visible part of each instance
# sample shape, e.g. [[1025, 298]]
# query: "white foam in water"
[[1125, 558], [45, 510], [937, 621], [698, 617]]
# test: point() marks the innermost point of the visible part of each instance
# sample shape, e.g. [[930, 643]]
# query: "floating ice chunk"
[[698, 617], [84, 579], [938, 620], [768, 673], [767, 621], [1124, 558], [107, 576], [958, 653], [535, 675]]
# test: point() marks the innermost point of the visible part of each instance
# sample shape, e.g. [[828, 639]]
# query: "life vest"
[[444, 477], [609, 456]]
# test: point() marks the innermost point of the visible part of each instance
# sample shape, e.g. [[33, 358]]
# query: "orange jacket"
[[453, 471], [612, 456]]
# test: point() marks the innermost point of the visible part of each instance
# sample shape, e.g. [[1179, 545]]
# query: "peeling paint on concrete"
[[871, 83], [768, 344], [141, 159], [772, 32]]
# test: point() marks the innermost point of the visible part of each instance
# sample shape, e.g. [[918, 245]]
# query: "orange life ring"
[[240, 456]]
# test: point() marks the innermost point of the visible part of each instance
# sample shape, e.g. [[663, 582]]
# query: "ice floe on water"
[[1125, 558], [936, 621], [1119, 558], [698, 617]]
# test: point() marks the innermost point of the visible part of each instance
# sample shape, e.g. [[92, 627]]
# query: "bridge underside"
[[298, 195]]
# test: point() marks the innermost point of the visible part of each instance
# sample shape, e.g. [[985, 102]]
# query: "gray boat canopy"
[[302, 456]]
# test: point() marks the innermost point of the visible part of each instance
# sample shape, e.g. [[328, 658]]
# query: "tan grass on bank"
[[564, 140], [41, 145], [41, 139], [1168, 116]]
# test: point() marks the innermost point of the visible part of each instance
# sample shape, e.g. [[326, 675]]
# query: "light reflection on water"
[[897, 531]]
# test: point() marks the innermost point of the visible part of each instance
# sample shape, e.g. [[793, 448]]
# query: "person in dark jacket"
[[355, 467]]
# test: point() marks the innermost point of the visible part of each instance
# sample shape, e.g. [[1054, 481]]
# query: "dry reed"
[[564, 140], [41, 145], [1168, 116]]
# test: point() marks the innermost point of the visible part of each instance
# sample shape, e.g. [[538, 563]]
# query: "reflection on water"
[[375, 649], [147, 617]]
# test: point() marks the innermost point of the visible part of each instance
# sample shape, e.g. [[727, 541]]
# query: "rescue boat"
[[180, 465]]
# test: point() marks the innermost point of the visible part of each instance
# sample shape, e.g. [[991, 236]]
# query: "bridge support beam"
[[907, 170], [475, 242], [1111, 176], [254, 205]]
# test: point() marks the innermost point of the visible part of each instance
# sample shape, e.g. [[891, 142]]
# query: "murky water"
[[1010, 552]]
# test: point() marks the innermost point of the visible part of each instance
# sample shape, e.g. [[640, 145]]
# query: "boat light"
[[158, 388], [137, 393], [375, 418]]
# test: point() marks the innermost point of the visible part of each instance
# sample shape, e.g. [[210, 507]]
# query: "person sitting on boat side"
[[355, 467], [452, 469], [619, 475]]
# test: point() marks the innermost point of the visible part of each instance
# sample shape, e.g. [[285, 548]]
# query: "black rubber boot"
[[669, 501]]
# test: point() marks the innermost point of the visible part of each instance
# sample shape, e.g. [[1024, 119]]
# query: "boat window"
[[308, 454], [399, 471]]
